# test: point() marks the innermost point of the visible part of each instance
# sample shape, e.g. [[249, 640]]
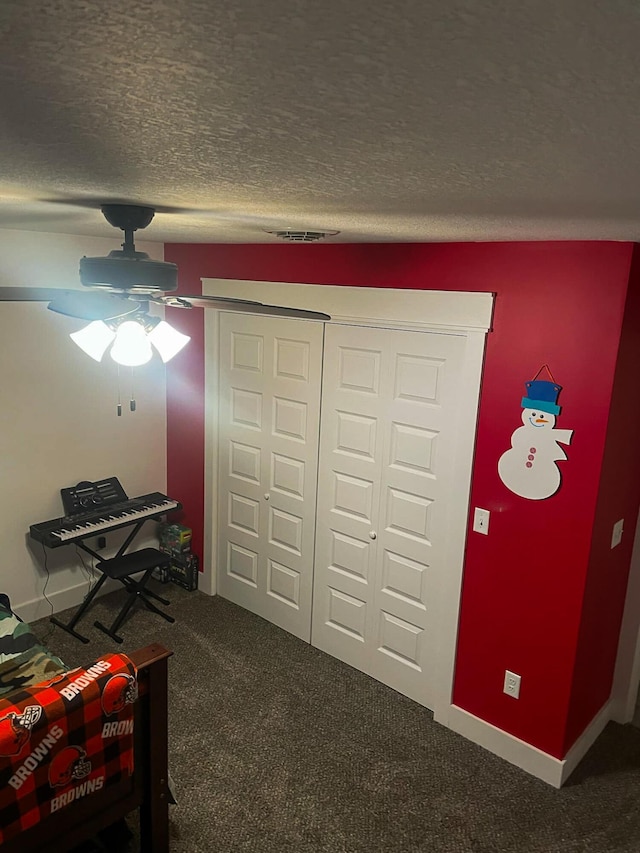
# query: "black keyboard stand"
[[121, 567]]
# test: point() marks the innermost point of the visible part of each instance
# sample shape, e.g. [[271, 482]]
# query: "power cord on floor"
[[44, 592], [89, 572]]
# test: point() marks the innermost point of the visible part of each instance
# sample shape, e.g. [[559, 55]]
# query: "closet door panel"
[[241, 455], [270, 373], [351, 446], [418, 461], [386, 460]]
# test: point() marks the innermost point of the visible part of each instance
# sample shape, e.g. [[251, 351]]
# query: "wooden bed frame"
[[147, 790]]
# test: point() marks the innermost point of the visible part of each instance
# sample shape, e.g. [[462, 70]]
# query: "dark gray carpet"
[[276, 747]]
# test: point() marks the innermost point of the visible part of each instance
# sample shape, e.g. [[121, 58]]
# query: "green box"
[[175, 538]]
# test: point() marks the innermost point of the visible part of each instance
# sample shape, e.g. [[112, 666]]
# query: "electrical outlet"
[[616, 536], [481, 520], [511, 684]]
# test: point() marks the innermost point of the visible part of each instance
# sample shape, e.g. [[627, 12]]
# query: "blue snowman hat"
[[542, 395]]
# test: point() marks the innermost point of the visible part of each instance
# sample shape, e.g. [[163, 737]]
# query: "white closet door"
[[387, 454], [269, 409]]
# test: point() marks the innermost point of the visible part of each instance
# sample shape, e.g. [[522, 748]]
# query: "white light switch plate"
[[616, 536], [481, 520]]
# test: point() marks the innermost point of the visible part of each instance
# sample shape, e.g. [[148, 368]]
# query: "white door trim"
[[461, 487], [208, 577], [420, 310]]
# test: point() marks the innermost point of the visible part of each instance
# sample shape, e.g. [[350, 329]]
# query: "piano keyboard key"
[[58, 531], [104, 524]]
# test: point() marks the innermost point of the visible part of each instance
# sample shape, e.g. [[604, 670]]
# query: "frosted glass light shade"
[[167, 340], [131, 347], [94, 339]]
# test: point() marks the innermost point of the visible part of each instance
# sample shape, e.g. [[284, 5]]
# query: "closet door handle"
[[267, 496], [373, 534]]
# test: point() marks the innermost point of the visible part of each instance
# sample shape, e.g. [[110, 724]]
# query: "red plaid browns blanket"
[[64, 739]]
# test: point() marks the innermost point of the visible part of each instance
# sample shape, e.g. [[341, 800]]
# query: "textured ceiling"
[[415, 120]]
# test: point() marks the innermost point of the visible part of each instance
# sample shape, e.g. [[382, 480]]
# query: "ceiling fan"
[[122, 285]]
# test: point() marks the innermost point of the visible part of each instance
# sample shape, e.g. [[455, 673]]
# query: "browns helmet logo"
[[120, 690], [68, 765], [15, 730]]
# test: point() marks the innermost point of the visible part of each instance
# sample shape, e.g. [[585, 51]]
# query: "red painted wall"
[[185, 407], [618, 498], [559, 303]]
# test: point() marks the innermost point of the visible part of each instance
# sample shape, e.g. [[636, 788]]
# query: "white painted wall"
[[58, 421]]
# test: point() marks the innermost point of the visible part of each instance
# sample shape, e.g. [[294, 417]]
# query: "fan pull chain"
[[119, 408], [132, 401]]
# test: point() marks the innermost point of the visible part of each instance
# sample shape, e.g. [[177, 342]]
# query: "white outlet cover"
[[511, 684]]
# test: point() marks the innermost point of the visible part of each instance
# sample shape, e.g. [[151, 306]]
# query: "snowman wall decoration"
[[529, 468]]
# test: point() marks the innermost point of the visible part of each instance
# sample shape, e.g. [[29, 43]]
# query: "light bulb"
[[94, 339], [167, 340], [131, 347]]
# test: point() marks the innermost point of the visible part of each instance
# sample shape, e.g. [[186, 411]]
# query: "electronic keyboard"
[[102, 519]]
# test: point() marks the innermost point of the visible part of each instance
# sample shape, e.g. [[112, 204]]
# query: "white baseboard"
[[586, 740], [39, 608], [506, 746], [553, 771], [207, 581], [622, 711]]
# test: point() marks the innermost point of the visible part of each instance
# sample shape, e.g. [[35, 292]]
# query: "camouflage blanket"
[[23, 660]]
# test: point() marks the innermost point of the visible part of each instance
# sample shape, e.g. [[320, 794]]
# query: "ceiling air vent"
[[293, 236]]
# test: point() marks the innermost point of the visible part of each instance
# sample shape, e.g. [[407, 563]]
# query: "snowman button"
[[531, 457], [532, 450], [529, 464]]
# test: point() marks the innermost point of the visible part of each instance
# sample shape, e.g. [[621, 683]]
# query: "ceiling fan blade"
[[32, 294], [174, 301], [93, 306], [84, 305], [244, 305]]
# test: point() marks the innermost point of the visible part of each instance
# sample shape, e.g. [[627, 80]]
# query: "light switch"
[[481, 520], [616, 536]]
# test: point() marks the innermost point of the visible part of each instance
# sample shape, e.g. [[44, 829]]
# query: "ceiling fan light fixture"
[[131, 347], [131, 340], [167, 340], [123, 286], [94, 339]]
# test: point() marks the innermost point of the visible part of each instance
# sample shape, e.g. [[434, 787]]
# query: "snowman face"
[[537, 419]]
